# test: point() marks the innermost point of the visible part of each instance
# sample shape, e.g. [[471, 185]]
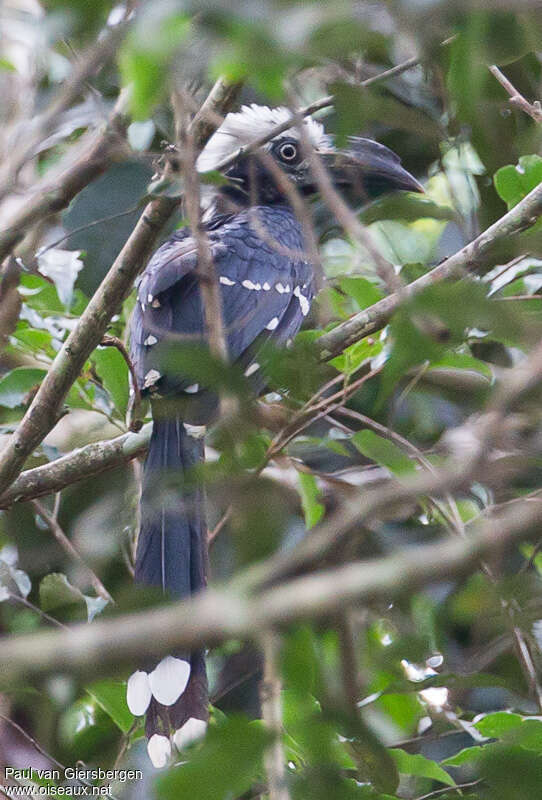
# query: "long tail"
[[172, 554]]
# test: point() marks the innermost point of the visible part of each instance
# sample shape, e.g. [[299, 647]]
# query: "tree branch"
[[45, 199], [77, 466], [218, 615], [470, 257], [45, 408], [516, 98]]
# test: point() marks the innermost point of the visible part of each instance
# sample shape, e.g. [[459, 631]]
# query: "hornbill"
[[266, 288]]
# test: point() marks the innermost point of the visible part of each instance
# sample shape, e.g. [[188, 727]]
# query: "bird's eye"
[[288, 152]]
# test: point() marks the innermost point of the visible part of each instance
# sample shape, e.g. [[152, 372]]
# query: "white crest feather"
[[242, 127]]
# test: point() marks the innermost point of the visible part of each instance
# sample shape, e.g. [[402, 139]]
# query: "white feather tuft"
[[242, 127]]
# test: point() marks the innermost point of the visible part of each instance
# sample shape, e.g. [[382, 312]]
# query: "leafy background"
[[445, 708]]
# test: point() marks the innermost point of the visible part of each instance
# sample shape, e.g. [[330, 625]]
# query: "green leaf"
[[356, 108], [309, 491], [16, 385], [56, 590], [113, 370], [465, 756], [383, 452], [421, 766], [111, 697], [494, 726], [6, 66], [528, 735], [224, 766], [146, 56], [513, 183], [405, 206], [364, 292]]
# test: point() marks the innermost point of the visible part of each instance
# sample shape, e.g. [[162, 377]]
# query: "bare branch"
[[218, 615], [470, 258], [40, 128], [45, 199], [270, 693], [45, 408], [77, 466], [65, 543], [534, 110]]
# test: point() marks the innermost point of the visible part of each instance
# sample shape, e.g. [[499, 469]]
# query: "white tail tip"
[[192, 730], [159, 750], [168, 680], [138, 693]]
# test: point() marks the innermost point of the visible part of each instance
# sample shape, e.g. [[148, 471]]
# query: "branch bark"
[[77, 466], [46, 406], [471, 257], [218, 615]]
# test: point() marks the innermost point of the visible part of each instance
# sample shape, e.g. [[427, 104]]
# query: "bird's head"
[[365, 169]]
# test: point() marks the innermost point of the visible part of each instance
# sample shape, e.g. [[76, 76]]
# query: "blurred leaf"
[[356, 108], [95, 605], [383, 452], [299, 660], [224, 766], [147, 53], [111, 697], [405, 206], [513, 183], [421, 766], [113, 370], [16, 385], [6, 66], [356, 355], [511, 772], [437, 319], [86, 730], [363, 291], [56, 590], [252, 53], [494, 726], [310, 494], [62, 266], [528, 735]]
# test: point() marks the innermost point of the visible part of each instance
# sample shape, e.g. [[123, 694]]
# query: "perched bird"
[[267, 287]]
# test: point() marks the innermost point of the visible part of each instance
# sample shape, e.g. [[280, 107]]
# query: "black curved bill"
[[368, 169]]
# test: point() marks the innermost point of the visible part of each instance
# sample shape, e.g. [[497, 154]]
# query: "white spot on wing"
[[150, 298], [251, 369], [226, 281], [151, 378], [150, 340], [168, 680], [303, 301], [272, 324], [138, 693], [192, 730], [156, 303], [192, 389], [251, 286], [159, 750], [266, 287]]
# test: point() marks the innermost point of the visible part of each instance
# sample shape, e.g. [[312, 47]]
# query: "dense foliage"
[[428, 687]]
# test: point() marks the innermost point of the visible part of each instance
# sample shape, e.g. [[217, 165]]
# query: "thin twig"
[[534, 110], [270, 695], [68, 547]]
